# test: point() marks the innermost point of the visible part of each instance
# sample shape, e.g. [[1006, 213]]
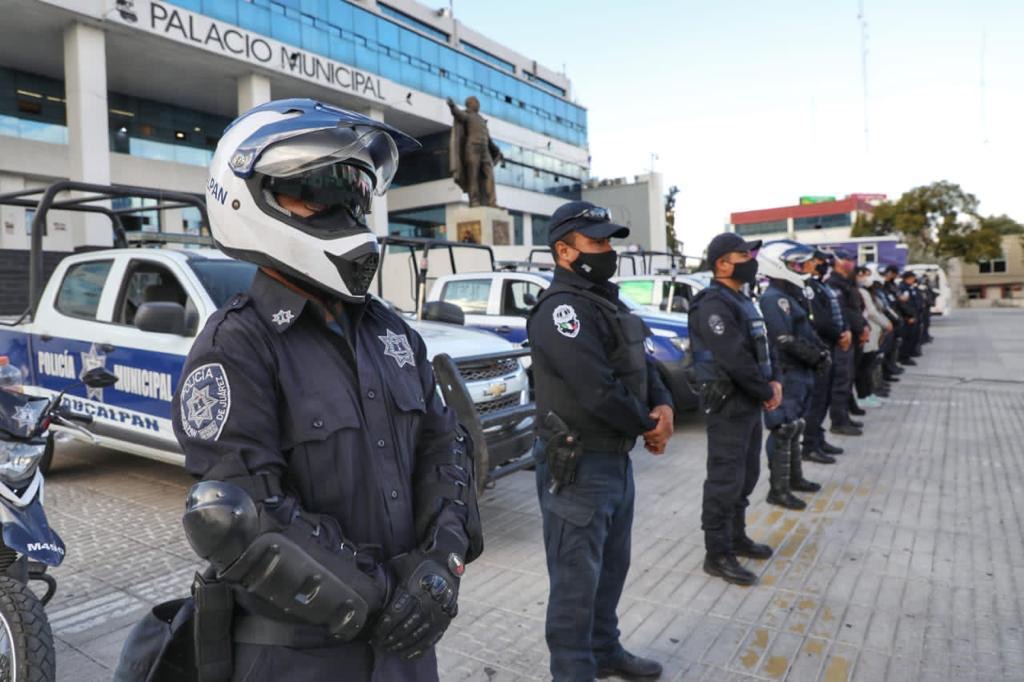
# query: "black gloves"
[[422, 606]]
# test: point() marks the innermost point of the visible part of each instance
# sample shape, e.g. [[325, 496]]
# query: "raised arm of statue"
[[457, 113]]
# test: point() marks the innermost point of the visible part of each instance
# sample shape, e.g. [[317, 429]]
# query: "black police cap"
[[729, 242], [583, 216]]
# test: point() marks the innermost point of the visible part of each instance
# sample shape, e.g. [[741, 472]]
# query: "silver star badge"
[[90, 360], [397, 346], [282, 317], [25, 416]]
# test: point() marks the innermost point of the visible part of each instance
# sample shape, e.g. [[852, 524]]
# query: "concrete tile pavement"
[[907, 565]]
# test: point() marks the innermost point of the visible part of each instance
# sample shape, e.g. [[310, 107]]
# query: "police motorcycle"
[[29, 546]]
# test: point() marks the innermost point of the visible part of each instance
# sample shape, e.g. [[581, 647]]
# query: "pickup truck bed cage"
[[45, 199]]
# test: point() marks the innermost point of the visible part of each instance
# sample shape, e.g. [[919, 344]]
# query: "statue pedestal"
[[482, 225]]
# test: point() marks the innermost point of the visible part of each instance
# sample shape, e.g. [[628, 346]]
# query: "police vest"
[[833, 305], [628, 363], [753, 322]]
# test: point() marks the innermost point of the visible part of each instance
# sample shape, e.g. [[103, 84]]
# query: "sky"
[[751, 104]]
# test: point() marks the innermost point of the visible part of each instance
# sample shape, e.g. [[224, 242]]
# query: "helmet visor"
[[339, 185], [371, 148]]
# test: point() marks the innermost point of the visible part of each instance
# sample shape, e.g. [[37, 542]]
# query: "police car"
[[501, 301], [670, 293], [96, 311]]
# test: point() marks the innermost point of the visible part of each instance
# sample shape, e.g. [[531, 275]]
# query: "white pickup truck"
[[93, 312]]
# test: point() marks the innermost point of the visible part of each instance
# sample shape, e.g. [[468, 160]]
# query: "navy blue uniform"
[[324, 416], [785, 313], [590, 368], [915, 335], [829, 324], [843, 361], [729, 343]]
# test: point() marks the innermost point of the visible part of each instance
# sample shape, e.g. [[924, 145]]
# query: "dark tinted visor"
[[339, 185]]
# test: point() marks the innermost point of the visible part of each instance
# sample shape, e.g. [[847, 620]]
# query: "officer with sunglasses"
[[597, 391]]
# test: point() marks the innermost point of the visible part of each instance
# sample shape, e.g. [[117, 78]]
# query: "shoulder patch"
[[567, 322], [205, 402], [784, 304], [716, 323]]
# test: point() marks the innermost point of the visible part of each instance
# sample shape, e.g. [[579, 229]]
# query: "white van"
[[937, 278]]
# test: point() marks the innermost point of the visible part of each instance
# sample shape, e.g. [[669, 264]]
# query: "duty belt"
[[250, 628]]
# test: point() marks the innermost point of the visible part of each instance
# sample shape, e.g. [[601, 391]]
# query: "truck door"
[[474, 297], [517, 298]]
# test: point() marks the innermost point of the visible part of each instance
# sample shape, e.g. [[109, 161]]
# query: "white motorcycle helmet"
[[331, 160], [781, 259]]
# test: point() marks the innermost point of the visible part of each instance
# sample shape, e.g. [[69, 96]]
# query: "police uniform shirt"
[[850, 301], [724, 332], [339, 416], [785, 314], [826, 315], [575, 340]]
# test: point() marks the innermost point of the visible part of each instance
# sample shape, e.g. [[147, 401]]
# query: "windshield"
[[223, 278]]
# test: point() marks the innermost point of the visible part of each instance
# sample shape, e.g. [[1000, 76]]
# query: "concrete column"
[[85, 83], [253, 90], [790, 228], [378, 218]]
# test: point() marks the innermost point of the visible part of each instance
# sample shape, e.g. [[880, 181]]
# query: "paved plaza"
[[908, 565]]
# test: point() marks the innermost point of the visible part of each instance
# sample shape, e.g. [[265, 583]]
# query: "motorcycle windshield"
[[19, 413], [27, 531]]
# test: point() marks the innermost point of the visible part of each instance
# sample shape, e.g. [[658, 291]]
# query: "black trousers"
[[734, 463]]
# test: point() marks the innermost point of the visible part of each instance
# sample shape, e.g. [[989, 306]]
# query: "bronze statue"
[[473, 153]]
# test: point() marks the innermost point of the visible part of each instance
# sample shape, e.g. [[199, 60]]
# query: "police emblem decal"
[[784, 304], [397, 346], [567, 322], [282, 317], [205, 402], [717, 324], [809, 293], [91, 360]]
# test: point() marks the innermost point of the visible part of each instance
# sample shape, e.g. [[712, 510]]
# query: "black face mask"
[[821, 269], [745, 272], [595, 267]]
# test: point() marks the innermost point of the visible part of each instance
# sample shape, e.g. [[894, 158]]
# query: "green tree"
[[1003, 224], [670, 218], [939, 220]]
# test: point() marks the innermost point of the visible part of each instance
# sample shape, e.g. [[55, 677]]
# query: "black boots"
[[744, 546], [628, 666], [797, 481], [779, 467], [726, 567]]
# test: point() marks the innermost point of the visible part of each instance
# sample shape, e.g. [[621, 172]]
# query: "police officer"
[[801, 355], [737, 379], [336, 501], [841, 406], [891, 308], [905, 307], [830, 326], [917, 303], [597, 392]]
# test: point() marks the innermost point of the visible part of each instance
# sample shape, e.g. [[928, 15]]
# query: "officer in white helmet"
[[336, 507], [786, 309]]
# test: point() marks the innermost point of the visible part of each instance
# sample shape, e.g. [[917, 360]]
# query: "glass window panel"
[[469, 294], [80, 292]]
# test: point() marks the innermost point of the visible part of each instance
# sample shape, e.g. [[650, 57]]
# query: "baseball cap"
[[728, 242], [583, 216], [843, 254]]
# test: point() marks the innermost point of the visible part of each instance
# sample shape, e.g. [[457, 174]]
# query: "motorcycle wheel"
[[26, 642]]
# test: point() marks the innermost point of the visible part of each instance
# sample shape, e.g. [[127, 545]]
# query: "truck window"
[[518, 297], [79, 294], [469, 294], [640, 291], [223, 278], [147, 282]]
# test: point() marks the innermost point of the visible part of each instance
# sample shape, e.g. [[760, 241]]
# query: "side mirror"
[[529, 299], [163, 317], [99, 377], [442, 311]]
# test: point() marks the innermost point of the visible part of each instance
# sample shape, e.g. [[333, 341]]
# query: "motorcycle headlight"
[[18, 461]]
